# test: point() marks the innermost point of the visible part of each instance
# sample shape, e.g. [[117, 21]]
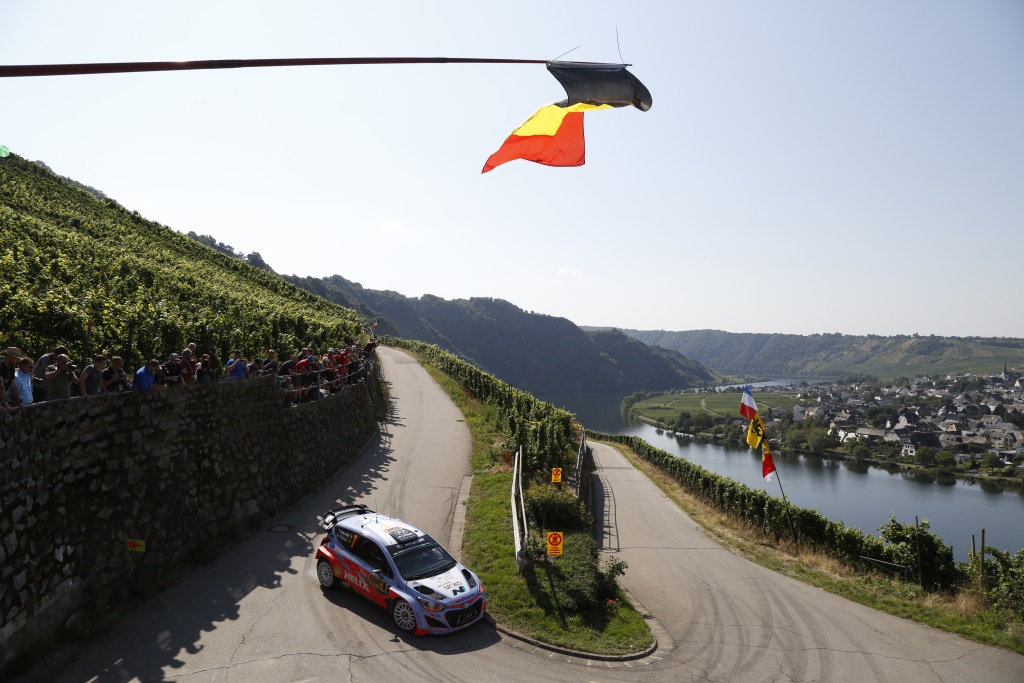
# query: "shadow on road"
[[476, 637], [207, 597]]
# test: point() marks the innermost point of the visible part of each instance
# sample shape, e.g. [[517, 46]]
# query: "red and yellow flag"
[[767, 463], [553, 136]]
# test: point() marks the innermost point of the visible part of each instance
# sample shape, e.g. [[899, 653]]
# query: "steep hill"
[[539, 353], [831, 355], [80, 269]]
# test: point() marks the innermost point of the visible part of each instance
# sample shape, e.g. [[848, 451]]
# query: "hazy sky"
[[806, 166]]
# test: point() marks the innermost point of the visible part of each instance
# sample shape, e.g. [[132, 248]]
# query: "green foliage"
[[539, 353], [86, 272], [764, 512], [836, 355], [990, 461], [550, 508], [945, 459], [907, 543], [544, 431], [925, 456], [1004, 578]]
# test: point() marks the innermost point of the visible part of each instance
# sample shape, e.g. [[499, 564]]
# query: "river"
[[847, 491]]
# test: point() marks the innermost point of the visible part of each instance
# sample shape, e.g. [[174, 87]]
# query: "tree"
[[861, 452], [990, 460], [926, 456], [945, 459]]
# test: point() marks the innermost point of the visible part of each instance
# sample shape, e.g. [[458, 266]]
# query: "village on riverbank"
[[967, 425]]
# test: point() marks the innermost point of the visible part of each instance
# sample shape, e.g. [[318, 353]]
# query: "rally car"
[[399, 567]]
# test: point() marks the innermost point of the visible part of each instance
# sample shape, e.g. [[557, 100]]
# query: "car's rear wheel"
[[325, 574], [404, 616]]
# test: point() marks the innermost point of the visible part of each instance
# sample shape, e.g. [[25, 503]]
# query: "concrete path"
[[729, 619]]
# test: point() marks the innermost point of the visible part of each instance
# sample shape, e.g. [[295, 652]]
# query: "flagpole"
[[792, 527], [17, 70]]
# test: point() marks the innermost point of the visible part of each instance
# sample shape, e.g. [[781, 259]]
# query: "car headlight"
[[430, 605]]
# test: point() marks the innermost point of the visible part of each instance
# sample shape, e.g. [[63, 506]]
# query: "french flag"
[[748, 408]]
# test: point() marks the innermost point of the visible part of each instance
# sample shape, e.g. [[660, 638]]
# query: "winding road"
[[257, 613]]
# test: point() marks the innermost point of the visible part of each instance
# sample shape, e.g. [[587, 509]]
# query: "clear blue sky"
[[806, 166]]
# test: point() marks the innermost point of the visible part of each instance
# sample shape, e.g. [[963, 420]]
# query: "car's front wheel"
[[325, 574], [404, 616]]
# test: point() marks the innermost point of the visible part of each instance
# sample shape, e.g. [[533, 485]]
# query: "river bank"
[[887, 464]]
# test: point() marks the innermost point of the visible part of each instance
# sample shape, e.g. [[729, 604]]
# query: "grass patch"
[[526, 602], [667, 408], [966, 613]]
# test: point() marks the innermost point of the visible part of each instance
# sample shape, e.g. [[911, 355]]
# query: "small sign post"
[[554, 543], [556, 475], [136, 545]]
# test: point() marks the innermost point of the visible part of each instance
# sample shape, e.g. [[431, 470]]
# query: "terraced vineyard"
[[87, 272]]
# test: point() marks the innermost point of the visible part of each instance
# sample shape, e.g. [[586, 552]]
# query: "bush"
[[549, 508], [1004, 578], [938, 568], [576, 576], [613, 568]]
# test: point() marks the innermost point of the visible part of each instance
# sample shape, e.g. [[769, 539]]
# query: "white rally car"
[[399, 567]]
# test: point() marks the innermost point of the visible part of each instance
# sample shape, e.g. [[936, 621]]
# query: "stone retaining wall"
[[181, 469]]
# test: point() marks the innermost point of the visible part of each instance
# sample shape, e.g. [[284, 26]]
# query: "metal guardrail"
[[579, 459], [519, 508]]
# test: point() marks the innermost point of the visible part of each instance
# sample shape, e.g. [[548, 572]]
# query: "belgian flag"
[[553, 136]]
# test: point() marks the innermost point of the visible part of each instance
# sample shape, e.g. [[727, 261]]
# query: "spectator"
[[204, 370], [306, 369], [8, 372], [270, 365], [146, 376], [91, 380], [23, 378], [115, 379], [59, 377], [237, 369], [39, 373], [172, 371], [285, 379], [343, 360], [188, 365]]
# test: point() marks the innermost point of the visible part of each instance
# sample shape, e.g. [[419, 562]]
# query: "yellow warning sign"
[[556, 475], [554, 543]]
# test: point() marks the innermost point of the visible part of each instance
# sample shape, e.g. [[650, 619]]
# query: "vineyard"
[[86, 272], [898, 544]]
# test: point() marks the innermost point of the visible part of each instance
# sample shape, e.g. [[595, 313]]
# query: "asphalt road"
[[723, 618], [257, 613]]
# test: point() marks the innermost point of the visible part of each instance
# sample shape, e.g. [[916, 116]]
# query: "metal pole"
[[982, 559], [920, 569], [792, 527], [17, 70]]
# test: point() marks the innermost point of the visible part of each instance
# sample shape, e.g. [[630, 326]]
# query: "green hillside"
[[539, 353], [834, 355], [82, 270]]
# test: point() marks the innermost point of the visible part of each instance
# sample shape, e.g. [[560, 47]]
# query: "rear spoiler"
[[331, 517]]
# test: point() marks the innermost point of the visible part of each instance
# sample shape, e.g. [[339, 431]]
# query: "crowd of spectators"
[[306, 376]]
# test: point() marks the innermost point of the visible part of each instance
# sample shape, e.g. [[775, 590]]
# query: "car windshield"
[[421, 559]]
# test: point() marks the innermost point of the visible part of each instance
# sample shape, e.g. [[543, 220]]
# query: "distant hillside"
[[80, 269], [539, 353], [833, 355]]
